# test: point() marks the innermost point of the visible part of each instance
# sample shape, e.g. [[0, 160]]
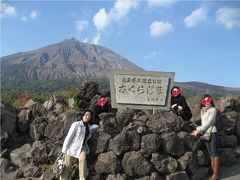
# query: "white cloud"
[[161, 3], [196, 17], [24, 19], [85, 40], [100, 19], [229, 17], [121, 8], [96, 39], [159, 28], [33, 15], [7, 10], [152, 55], [81, 25]]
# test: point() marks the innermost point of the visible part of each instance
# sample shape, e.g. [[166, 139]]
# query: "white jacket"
[[208, 119], [73, 142]]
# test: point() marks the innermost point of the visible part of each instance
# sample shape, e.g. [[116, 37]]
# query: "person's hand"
[[174, 105], [194, 133], [180, 107]]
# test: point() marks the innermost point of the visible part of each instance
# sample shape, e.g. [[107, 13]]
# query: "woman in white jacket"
[[208, 121], [75, 146]]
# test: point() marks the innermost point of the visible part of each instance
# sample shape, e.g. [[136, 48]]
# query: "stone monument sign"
[[141, 89]]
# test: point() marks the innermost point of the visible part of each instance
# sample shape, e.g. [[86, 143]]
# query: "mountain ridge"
[[193, 88], [67, 59], [64, 63]]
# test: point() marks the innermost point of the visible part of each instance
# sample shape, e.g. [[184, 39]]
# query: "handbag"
[[207, 137], [58, 165]]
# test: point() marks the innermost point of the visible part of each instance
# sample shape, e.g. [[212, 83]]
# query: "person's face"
[[206, 101], [176, 92], [87, 117]]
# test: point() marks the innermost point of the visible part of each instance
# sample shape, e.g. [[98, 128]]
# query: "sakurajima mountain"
[[71, 59], [67, 59]]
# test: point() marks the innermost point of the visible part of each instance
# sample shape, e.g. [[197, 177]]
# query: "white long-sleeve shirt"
[[74, 140], [208, 119]]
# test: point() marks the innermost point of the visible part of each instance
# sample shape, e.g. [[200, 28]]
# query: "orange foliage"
[[24, 99]]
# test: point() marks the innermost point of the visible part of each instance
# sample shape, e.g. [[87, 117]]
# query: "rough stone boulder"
[[113, 125], [226, 122], [227, 141], [59, 105], [56, 105], [68, 118], [172, 144], [8, 118], [4, 138], [54, 149], [117, 177], [21, 156], [87, 91], [39, 153], [165, 122], [58, 109], [134, 164], [164, 163], [37, 128], [127, 140], [59, 99], [189, 162], [49, 104], [181, 175], [153, 176], [227, 104], [54, 129], [203, 158], [57, 127], [3, 165], [94, 101], [99, 142], [48, 175], [23, 120], [142, 130], [150, 144], [32, 171], [238, 129], [108, 163], [71, 102], [37, 110], [130, 144], [201, 174], [142, 118], [123, 118], [190, 142], [29, 104], [227, 156]]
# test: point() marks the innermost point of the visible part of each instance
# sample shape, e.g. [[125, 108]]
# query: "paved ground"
[[230, 172], [225, 173]]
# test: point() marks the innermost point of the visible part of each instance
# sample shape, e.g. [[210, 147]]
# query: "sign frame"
[[155, 74]]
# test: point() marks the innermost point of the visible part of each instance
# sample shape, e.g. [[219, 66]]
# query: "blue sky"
[[198, 40]]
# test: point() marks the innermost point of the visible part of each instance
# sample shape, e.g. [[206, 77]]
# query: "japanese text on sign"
[[137, 89]]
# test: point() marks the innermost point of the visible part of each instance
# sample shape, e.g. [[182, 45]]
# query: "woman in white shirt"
[[75, 146], [208, 120]]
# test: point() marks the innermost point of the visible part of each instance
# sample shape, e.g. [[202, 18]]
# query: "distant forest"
[[16, 93]]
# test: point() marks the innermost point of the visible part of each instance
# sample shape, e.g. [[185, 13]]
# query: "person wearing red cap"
[[179, 104], [102, 105], [208, 121]]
